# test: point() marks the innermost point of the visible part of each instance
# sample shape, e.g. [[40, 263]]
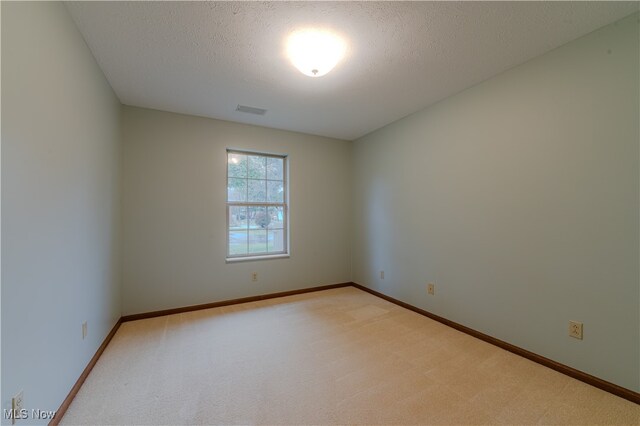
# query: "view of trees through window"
[[256, 204]]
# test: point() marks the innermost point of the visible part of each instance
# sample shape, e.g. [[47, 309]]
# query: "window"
[[257, 221]]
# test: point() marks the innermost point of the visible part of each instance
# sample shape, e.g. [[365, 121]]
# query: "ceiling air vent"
[[251, 110]]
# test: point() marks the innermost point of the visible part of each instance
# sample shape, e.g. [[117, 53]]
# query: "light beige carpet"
[[334, 357]]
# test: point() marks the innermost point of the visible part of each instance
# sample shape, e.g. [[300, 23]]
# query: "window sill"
[[264, 257]]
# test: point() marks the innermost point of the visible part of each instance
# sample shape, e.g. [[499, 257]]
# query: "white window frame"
[[285, 208]]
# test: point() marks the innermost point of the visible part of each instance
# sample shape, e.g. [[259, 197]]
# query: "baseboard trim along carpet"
[[76, 387], [229, 302], [625, 393], [612, 388]]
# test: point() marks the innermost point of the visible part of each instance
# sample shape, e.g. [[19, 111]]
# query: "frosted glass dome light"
[[315, 52]]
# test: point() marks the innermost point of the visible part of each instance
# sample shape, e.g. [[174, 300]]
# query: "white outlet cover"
[[17, 401], [20, 400], [575, 329], [17, 404]]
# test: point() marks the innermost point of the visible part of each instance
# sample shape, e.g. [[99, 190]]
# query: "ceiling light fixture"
[[315, 52]]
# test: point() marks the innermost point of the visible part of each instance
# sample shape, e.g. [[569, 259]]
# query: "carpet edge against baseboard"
[[172, 311], [587, 378], [85, 373], [83, 376]]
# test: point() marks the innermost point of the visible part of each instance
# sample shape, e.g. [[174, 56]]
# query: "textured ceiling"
[[205, 58]]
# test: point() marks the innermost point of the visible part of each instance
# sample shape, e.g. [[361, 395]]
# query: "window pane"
[[258, 218], [258, 241], [253, 180], [237, 242], [276, 217], [237, 165], [275, 191], [274, 168], [257, 167], [238, 218], [237, 190], [276, 240], [257, 191]]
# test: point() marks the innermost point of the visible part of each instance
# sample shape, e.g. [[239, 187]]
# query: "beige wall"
[[174, 211], [519, 199], [60, 204]]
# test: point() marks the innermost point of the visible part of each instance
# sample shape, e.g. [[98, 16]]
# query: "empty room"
[[320, 213]]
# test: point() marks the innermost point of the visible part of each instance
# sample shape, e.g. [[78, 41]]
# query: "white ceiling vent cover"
[[251, 110]]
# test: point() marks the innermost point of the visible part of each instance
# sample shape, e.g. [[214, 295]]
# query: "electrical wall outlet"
[[17, 405], [84, 330], [431, 289], [382, 275], [254, 276], [575, 329]]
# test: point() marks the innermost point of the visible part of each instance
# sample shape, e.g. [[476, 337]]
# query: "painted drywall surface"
[[519, 199], [174, 213], [60, 204]]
